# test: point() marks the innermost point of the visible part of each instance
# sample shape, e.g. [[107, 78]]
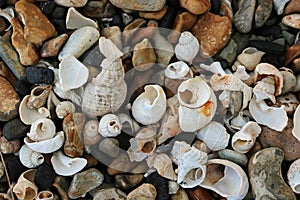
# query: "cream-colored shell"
[[296, 123], [42, 129], [242, 74], [64, 108], [177, 70], [45, 195], [30, 158], [214, 135], [110, 126], [178, 149], [144, 192], [75, 20], [66, 166], [38, 96], [273, 117], [187, 47], [46, 146], [25, 188], [129, 126], [250, 57], [109, 49], [215, 68], [27, 115], [265, 89], [243, 140], [150, 106], [230, 182], [173, 187], [293, 176], [91, 135], [289, 80]]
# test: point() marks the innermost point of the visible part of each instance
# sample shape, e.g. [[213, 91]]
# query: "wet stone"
[[234, 156], [47, 7], [44, 176], [22, 88], [15, 129], [39, 75], [58, 12], [14, 168], [117, 21]]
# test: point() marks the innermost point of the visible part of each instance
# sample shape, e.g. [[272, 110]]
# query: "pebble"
[[168, 20], [3, 25], [76, 20], [292, 7], [145, 191], [155, 15], [9, 100], [279, 6], [114, 34], [52, 47], [60, 25], [61, 184], [110, 194], [7, 74], [161, 185], [15, 129], [234, 156], [127, 182], [263, 12], [120, 164], [292, 20], [139, 5], [93, 57], [244, 16], [196, 7], [39, 75], [229, 52], [226, 9], [44, 176], [265, 175], [27, 52], [274, 31], [84, 182], [199, 193], [47, 7], [99, 9], [215, 6], [143, 56], [80, 41], [37, 28], [213, 33], [14, 168], [71, 3], [180, 195], [58, 12], [284, 140]]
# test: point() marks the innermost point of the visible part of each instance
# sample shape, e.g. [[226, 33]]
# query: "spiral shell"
[[110, 126], [30, 158], [42, 129], [187, 47], [90, 133], [38, 96], [45, 195], [64, 108], [25, 187]]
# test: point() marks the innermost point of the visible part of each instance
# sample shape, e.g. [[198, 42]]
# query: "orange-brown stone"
[[156, 15], [196, 7], [292, 7]]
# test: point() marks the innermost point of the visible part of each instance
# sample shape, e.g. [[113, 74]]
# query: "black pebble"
[[59, 25], [22, 88], [173, 3], [2, 3], [268, 47], [277, 61], [161, 185], [47, 7], [14, 168], [274, 31], [215, 6], [58, 12], [117, 21], [44, 176], [15, 129], [168, 19], [39, 75]]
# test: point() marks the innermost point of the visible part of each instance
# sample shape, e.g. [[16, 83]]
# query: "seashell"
[[66, 166], [296, 122], [107, 92], [64, 108], [30, 158], [173, 187], [8, 147], [129, 126], [293, 175], [46, 146], [215, 68], [187, 47], [109, 146], [145, 191], [177, 70], [162, 163], [231, 83], [243, 75], [109, 49], [250, 57], [42, 129], [75, 20], [72, 73], [7, 13], [191, 168], [274, 118], [91, 135], [110, 126], [114, 34], [264, 69], [25, 188], [222, 172], [290, 102], [279, 5], [45, 195], [226, 9], [265, 89], [28, 116], [150, 106], [143, 145], [178, 149], [243, 140], [143, 57], [38, 96], [289, 80], [214, 135]]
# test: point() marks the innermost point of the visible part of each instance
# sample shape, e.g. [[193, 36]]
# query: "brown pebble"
[[292, 20], [284, 140], [199, 194], [292, 7], [61, 184], [156, 15], [3, 24], [147, 32], [292, 53], [128, 181], [196, 7], [52, 47], [6, 73], [132, 28], [143, 56], [120, 165], [213, 33], [145, 191]]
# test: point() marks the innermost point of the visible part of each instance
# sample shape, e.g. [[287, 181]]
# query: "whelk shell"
[[38, 96], [64, 108], [30, 158], [187, 47], [177, 70], [250, 57], [25, 188], [42, 129], [110, 126]]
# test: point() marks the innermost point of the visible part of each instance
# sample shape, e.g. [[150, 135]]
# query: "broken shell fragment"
[[150, 106], [250, 57], [110, 126], [143, 57], [265, 89], [293, 175], [30, 158], [129, 126], [42, 129], [75, 20], [187, 47], [7, 147], [38, 96], [64, 108], [296, 122], [25, 188], [177, 70]]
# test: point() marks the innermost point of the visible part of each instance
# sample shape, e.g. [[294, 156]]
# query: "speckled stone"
[[265, 175], [52, 47], [244, 16], [263, 12], [292, 20], [234, 156], [39, 75], [71, 3], [15, 129], [44, 176], [140, 5]]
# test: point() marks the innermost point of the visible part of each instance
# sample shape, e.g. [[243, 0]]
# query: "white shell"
[[45, 195], [28, 116], [25, 187], [66, 166], [250, 57], [243, 140], [109, 49], [178, 149], [293, 176], [150, 106], [30, 158], [46, 146], [90, 134], [75, 20], [214, 135], [191, 168], [233, 185], [64, 108], [7, 13], [243, 75], [215, 68], [110, 125], [42, 129], [187, 47], [279, 5], [129, 126], [177, 70], [273, 117], [296, 122], [265, 89], [72, 73]]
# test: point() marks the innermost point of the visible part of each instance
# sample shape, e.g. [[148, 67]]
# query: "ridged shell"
[[38, 96], [30, 158], [110, 126], [250, 57], [64, 108], [42, 129], [177, 70], [187, 47], [293, 176], [214, 135], [25, 188], [150, 106], [91, 135], [178, 149]]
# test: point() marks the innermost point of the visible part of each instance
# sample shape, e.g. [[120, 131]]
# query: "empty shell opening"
[[251, 50], [186, 96], [214, 172], [112, 123], [44, 195], [148, 147], [194, 174]]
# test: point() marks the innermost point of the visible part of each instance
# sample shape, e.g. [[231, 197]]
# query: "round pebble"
[[47, 7], [44, 176], [22, 88], [14, 168], [15, 129], [58, 12], [161, 185], [234, 156], [39, 75]]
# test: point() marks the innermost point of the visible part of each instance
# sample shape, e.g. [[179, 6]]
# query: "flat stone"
[[265, 175], [196, 7], [234, 156], [75, 20], [9, 101], [37, 28], [47, 6], [140, 5], [213, 33], [99, 9], [263, 12], [244, 16], [39, 75], [71, 3], [79, 41], [155, 15], [27, 51], [292, 20], [292, 7], [284, 140], [161, 185], [15, 129], [145, 191], [84, 182], [110, 193], [44, 176], [52, 47]]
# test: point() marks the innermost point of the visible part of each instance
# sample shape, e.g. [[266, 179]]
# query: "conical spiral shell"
[[30, 158]]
